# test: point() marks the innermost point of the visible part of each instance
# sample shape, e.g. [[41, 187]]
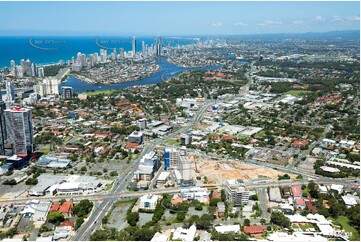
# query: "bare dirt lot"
[[222, 170]]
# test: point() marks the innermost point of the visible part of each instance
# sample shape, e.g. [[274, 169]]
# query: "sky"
[[176, 18]]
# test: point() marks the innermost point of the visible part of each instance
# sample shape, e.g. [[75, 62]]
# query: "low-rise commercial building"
[[136, 137], [198, 193], [148, 165], [275, 195], [148, 202]]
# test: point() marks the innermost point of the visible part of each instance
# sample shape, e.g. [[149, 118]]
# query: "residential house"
[[255, 231], [66, 209]]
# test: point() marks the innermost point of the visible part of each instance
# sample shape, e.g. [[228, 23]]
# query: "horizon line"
[[85, 34]]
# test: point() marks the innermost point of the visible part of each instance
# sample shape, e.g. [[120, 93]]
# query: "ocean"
[[50, 50]]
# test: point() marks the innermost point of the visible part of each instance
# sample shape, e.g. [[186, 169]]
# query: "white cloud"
[[240, 24], [217, 24], [353, 18], [320, 18], [297, 22], [269, 23], [336, 18], [345, 20]]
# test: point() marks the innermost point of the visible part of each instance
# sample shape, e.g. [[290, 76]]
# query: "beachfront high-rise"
[[19, 129], [160, 45], [12, 65], [10, 90], [143, 48], [134, 45]]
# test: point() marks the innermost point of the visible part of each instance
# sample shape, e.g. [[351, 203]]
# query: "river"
[[167, 71]]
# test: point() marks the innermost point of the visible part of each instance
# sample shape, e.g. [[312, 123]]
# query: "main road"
[[93, 222]]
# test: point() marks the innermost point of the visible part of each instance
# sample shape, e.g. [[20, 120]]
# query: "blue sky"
[[176, 18]]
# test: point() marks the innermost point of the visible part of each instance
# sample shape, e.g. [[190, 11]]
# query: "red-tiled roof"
[[216, 195], [176, 199], [253, 229], [300, 143], [300, 201], [67, 223], [296, 191], [66, 207], [54, 208], [311, 207], [131, 145]]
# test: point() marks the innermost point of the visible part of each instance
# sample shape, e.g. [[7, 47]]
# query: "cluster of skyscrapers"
[[25, 69], [154, 50]]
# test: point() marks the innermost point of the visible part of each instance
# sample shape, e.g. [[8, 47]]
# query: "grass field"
[[45, 150], [307, 226], [109, 186], [342, 220], [298, 92], [172, 142], [103, 92]]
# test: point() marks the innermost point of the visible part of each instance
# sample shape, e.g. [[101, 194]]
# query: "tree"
[[113, 173], [214, 201], [133, 218], [205, 221], [223, 195], [280, 219], [284, 177], [78, 223], [190, 221], [83, 208], [10, 182], [55, 217], [246, 222], [263, 221], [314, 190], [144, 234], [31, 181], [181, 216], [104, 234]]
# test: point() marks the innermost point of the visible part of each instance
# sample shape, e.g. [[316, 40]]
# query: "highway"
[[249, 184]]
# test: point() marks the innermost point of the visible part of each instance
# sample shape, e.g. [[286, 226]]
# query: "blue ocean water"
[[48, 50]]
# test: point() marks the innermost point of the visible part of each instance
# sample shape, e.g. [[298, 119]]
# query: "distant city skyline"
[[176, 18]]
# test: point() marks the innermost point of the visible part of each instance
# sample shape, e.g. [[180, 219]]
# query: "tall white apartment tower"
[[19, 129], [134, 46]]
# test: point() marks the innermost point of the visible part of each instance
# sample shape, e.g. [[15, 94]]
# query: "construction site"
[[220, 170]]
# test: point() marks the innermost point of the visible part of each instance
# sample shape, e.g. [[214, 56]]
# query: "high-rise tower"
[[19, 130]]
